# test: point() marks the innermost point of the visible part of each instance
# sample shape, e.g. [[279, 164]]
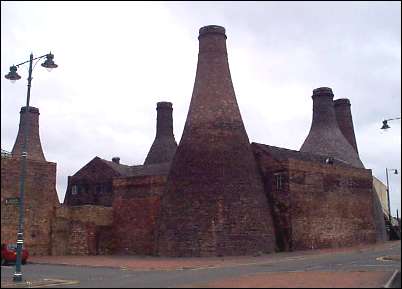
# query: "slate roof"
[[282, 154], [140, 170], [150, 170]]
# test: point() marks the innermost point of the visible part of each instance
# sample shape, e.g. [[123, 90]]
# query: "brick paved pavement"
[[374, 279], [308, 275], [145, 263]]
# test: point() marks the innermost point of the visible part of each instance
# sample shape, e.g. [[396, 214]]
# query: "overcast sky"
[[118, 59]]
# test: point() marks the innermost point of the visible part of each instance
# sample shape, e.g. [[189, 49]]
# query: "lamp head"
[[49, 63], [385, 124], [13, 75]]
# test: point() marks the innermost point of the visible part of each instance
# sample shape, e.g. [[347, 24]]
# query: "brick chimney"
[[214, 202], [34, 147], [164, 145], [116, 160], [325, 136], [345, 121]]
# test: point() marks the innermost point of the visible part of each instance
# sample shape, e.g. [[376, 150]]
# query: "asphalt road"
[[90, 277]]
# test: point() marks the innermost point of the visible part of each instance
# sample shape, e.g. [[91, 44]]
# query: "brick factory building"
[[214, 194]]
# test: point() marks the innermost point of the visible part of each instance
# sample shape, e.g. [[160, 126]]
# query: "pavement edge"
[[393, 279]]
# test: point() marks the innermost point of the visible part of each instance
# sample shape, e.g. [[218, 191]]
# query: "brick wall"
[[60, 232], [214, 203], [93, 185], [317, 205], [135, 211], [82, 230], [379, 217], [279, 197], [330, 206], [40, 202]]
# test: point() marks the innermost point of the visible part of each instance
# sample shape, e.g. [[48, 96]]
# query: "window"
[[74, 190], [99, 189], [82, 189], [279, 179]]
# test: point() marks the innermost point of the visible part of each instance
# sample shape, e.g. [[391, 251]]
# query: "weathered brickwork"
[[344, 119], [276, 182], [135, 212], [34, 146], [379, 216], [325, 136], [331, 206], [40, 202], [60, 232], [134, 192], [213, 195], [316, 204], [81, 238], [214, 202], [92, 184], [82, 230], [164, 146]]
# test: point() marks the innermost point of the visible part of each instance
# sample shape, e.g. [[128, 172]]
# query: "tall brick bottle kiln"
[[40, 200], [325, 136], [345, 120], [214, 203], [164, 145], [34, 146]]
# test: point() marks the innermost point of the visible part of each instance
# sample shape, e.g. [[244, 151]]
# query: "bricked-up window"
[[74, 190]]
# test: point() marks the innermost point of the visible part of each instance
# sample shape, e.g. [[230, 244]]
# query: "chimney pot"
[[116, 160], [31, 109], [323, 91], [212, 29], [164, 104], [341, 101]]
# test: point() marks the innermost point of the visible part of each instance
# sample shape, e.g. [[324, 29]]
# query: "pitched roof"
[[150, 170], [139, 170], [123, 170], [284, 154]]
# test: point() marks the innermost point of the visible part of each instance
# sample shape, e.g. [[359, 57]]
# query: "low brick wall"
[[82, 230]]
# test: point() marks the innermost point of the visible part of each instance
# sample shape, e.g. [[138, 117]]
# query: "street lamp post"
[[389, 203], [385, 125], [13, 76]]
